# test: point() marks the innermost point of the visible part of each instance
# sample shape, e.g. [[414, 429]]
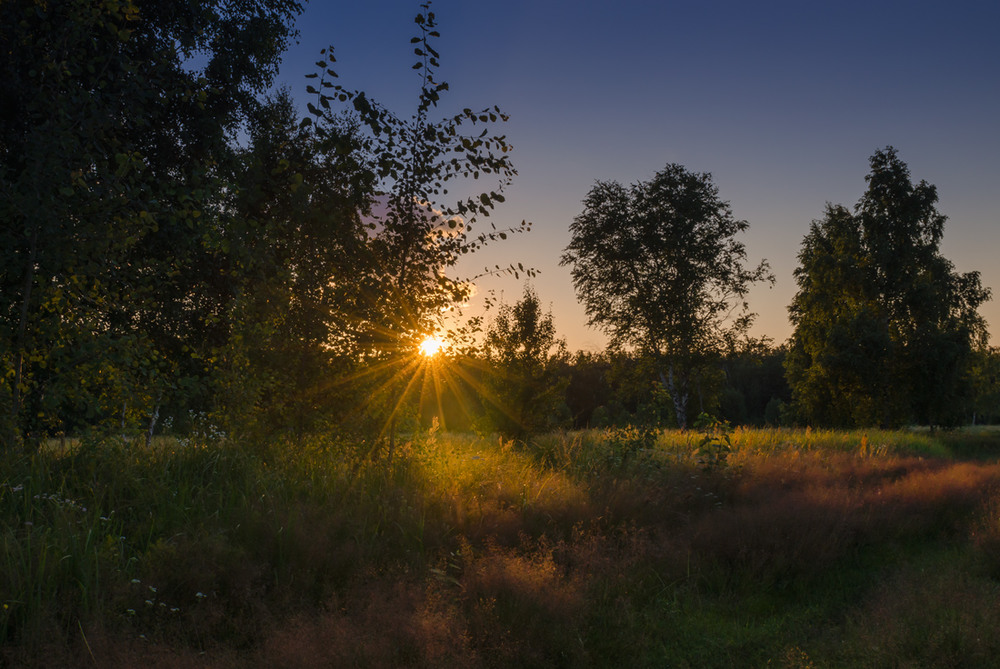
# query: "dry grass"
[[584, 549]]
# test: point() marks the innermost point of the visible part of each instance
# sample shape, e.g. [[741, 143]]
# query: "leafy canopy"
[[884, 325], [659, 268], [526, 379]]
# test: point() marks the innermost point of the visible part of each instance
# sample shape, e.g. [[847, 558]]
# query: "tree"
[[884, 326], [986, 383], [754, 381], [112, 149], [294, 225], [400, 280], [659, 269], [589, 388], [527, 375]]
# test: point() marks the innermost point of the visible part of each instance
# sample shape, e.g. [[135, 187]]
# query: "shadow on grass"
[[473, 552]]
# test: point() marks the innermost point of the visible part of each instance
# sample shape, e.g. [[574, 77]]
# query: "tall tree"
[[402, 276], [884, 325], [659, 268], [295, 224], [110, 147]]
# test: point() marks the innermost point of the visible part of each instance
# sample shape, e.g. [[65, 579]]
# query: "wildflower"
[[130, 612], [136, 581], [149, 602], [200, 595]]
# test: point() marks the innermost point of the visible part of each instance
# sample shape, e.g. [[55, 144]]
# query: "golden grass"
[[580, 549]]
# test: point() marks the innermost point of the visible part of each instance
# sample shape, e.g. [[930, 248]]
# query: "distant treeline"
[[605, 389]]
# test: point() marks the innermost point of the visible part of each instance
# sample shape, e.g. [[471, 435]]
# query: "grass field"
[[759, 548]]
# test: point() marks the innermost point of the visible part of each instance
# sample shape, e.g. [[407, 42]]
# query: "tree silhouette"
[[884, 326], [112, 156], [659, 269], [527, 377]]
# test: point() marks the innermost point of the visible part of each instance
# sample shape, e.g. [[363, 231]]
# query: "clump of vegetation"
[[714, 446]]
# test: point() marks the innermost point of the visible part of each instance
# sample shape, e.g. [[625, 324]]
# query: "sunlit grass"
[[578, 548]]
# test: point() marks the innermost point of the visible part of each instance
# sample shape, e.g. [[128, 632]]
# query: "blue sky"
[[783, 102]]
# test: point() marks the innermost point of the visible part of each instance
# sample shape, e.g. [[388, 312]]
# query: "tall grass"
[[784, 548]]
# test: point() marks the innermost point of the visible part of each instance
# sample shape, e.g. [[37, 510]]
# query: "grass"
[[784, 548]]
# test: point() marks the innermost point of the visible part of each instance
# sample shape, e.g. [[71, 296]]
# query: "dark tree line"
[[178, 243], [115, 171], [523, 381]]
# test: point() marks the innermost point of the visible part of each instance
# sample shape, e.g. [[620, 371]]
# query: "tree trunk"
[[22, 331], [152, 424], [679, 397]]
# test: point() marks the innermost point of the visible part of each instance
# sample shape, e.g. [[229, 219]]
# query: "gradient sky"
[[782, 102]]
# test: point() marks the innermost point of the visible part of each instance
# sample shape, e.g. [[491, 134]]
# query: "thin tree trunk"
[[679, 398], [152, 423], [22, 331]]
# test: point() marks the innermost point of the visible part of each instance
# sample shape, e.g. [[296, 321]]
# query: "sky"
[[782, 102]]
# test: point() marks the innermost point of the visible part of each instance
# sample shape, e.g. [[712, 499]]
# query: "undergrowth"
[[710, 548]]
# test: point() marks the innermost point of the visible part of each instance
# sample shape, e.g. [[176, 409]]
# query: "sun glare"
[[431, 346]]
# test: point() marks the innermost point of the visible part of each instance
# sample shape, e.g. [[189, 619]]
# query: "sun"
[[431, 346]]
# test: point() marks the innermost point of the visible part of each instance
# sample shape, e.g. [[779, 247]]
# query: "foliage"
[[715, 445], [629, 443], [394, 284], [112, 151], [588, 389], [399, 285], [884, 326], [755, 386], [526, 380], [175, 242], [985, 379], [294, 231], [658, 267]]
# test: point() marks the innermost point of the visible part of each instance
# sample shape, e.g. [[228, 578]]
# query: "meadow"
[[619, 547]]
